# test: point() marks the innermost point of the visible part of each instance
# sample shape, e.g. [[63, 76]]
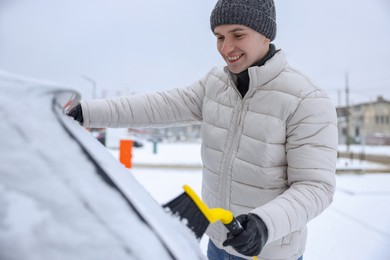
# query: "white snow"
[[54, 202], [356, 226], [371, 149]]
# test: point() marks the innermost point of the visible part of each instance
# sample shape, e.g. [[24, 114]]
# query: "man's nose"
[[227, 47]]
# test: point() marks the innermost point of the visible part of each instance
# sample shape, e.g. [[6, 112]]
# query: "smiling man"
[[269, 135]]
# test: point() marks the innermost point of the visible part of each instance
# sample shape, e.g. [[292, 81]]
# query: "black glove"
[[77, 114], [251, 241]]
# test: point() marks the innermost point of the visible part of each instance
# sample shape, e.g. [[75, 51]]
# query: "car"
[[99, 134], [64, 196]]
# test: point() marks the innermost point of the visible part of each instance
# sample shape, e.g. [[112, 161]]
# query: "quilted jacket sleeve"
[[311, 152], [160, 109]]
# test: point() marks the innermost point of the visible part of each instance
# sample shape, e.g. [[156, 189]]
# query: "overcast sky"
[[128, 46]]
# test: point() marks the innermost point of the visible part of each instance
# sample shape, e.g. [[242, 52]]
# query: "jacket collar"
[[259, 76], [243, 77]]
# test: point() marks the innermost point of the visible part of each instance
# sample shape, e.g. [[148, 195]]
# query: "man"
[[269, 135]]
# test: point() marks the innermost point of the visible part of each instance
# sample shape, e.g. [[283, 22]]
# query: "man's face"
[[240, 46]]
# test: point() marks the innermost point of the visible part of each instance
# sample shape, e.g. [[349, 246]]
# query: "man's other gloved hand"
[[77, 114], [251, 241]]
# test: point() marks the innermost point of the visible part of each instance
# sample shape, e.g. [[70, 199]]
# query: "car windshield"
[[63, 196]]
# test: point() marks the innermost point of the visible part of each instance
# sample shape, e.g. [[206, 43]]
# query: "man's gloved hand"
[[251, 241], [77, 114]]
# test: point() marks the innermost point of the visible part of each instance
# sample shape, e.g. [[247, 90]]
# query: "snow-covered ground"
[[356, 226], [370, 149], [188, 155]]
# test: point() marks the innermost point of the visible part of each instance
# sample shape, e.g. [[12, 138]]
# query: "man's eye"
[[220, 38], [238, 36]]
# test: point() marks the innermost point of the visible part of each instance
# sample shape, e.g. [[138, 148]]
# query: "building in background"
[[365, 123]]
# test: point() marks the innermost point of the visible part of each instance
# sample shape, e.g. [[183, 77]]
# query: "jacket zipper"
[[226, 170], [233, 138]]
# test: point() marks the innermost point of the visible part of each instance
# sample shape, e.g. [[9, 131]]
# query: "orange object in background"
[[126, 152]]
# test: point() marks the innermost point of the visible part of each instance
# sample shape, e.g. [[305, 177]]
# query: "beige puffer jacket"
[[272, 153]]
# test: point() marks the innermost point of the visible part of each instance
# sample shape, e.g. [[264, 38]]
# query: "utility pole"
[[93, 82], [348, 138], [339, 98]]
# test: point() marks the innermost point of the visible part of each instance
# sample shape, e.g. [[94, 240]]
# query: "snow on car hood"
[[63, 196]]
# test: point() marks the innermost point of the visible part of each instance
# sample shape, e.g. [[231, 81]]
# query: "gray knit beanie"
[[258, 15]]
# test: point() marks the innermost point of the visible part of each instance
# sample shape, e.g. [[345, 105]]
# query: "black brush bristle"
[[186, 209]]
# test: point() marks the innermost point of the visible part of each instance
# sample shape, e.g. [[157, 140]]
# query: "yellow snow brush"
[[190, 207]]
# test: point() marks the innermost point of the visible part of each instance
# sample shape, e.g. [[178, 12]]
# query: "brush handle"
[[234, 227]]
